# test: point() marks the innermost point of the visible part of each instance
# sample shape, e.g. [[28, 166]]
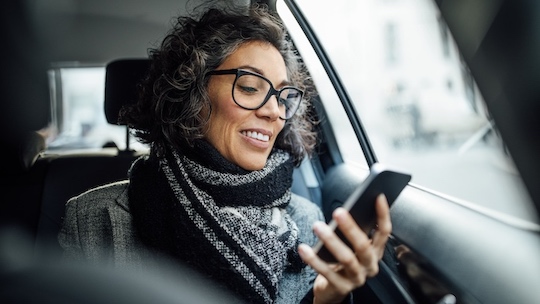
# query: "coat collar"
[[122, 198]]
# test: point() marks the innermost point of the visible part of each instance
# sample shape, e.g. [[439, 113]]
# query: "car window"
[[415, 97], [335, 115], [78, 118]]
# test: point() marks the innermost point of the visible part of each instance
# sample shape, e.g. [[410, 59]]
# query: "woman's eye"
[[247, 89]]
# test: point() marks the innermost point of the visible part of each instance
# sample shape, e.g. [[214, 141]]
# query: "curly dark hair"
[[173, 97]]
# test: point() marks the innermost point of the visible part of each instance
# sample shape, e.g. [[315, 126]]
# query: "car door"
[[393, 88]]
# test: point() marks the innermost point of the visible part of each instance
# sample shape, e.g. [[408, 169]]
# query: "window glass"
[[78, 116], [349, 147], [416, 99]]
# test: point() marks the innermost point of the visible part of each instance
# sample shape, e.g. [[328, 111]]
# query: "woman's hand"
[[336, 280]]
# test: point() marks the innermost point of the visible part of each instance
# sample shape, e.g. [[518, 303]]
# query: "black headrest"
[[121, 79]]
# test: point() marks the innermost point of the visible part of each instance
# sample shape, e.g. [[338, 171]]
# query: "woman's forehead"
[[260, 57]]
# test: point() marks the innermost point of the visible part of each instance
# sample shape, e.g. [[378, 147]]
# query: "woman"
[[225, 111]]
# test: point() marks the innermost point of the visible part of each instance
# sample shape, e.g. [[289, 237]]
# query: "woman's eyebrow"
[[251, 68], [260, 72]]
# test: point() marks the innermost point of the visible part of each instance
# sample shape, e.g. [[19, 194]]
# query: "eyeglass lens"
[[250, 92]]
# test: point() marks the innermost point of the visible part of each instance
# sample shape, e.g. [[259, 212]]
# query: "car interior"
[[442, 249]]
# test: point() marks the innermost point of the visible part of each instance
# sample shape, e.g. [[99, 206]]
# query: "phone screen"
[[361, 203]]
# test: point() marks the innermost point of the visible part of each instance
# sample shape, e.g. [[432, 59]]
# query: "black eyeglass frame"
[[271, 92]]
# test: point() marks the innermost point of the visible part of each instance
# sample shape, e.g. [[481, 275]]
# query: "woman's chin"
[[252, 161], [252, 166]]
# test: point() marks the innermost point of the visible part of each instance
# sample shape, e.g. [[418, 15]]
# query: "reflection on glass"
[[417, 99]]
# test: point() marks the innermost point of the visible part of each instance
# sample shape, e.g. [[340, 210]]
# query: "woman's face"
[[246, 137]]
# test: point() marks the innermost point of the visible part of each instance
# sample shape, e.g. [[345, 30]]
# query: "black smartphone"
[[361, 203]]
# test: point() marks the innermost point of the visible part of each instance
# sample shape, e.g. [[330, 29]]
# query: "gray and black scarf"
[[226, 222]]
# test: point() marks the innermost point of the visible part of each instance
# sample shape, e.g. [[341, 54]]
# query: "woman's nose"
[[270, 109]]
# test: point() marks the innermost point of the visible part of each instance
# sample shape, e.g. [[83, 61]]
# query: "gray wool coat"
[[98, 228]]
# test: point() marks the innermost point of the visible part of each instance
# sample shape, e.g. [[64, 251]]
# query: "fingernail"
[[304, 250], [320, 228], [339, 213]]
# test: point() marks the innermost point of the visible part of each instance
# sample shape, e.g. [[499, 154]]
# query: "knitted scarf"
[[226, 222]]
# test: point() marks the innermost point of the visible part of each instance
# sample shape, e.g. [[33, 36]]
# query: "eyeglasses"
[[251, 91]]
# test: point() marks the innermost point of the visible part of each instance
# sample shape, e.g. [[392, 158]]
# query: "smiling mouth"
[[256, 135]]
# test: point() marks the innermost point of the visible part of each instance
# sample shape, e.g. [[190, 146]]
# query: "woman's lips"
[[257, 138], [256, 135]]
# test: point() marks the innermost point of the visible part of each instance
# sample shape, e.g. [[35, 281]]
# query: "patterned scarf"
[[226, 222]]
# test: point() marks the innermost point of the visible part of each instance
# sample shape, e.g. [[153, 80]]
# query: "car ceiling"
[[87, 32]]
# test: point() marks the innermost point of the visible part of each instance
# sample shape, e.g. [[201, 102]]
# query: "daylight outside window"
[[415, 97], [78, 118]]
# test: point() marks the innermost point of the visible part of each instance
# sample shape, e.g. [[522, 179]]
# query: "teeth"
[[256, 135]]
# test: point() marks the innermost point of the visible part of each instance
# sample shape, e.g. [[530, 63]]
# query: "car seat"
[[71, 174]]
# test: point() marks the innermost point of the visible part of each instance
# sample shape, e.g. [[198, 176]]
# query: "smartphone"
[[361, 203]]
